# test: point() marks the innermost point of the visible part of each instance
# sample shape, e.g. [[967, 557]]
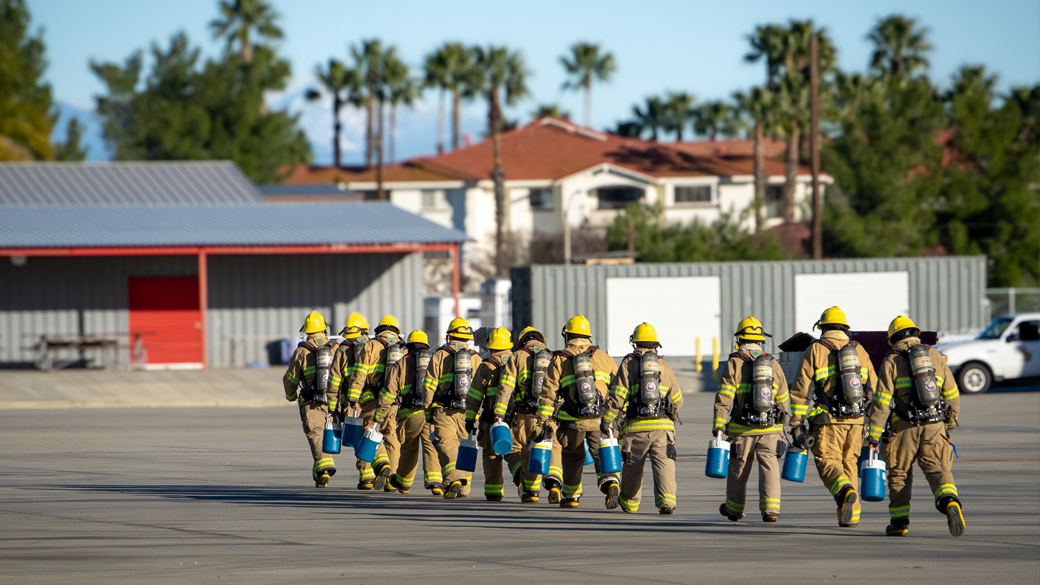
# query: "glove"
[[801, 438], [873, 442], [470, 425], [290, 397], [605, 428], [718, 430]]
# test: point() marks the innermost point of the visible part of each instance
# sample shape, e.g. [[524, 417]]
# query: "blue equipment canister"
[[370, 440], [795, 460], [588, 455], [872, 475], [330, 439], [352, 431], [609, 454], [467, 458], [501, 439], [541, 455], [718, 458]]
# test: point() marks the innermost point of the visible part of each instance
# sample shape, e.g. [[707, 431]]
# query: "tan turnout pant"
[[636, 448], [413, 435], [927, 445], [388, 451], [522, 427], [450, 430], [313, 416], [573, 436], [836, 452], [493, 477], [744, 451]]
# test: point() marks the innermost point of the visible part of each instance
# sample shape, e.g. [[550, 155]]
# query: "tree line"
[[918, 167]]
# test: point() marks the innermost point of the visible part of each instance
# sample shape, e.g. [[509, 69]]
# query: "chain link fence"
[[1012, 300]]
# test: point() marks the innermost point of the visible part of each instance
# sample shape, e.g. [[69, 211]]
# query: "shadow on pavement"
[[470, 512], [1020, 385]]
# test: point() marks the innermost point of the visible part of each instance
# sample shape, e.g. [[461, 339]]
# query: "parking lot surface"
[[223, 495]]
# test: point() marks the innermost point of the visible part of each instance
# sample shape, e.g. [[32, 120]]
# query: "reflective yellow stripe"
[[653, 424], [735, 429], [824, 373], [292, 378], [610, 416], [545, 410]]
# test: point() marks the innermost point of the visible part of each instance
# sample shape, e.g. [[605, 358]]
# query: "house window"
[[541, 198], [618, 197], [774, 203], [693, 194], [370, 195], [432, 200]]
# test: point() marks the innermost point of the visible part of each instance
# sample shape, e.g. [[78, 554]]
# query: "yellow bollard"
[[715, 358], [700, 366]]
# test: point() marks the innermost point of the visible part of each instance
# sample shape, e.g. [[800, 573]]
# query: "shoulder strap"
[[827, 343], [307, 344], [741, 356]]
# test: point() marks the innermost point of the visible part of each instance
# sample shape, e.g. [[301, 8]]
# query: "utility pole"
[[814, 146]]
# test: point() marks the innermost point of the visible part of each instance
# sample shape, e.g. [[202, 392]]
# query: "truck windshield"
[[996, 328]]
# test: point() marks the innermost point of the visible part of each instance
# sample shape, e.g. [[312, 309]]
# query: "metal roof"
[[124, 183], [315, 189], [265, 224]]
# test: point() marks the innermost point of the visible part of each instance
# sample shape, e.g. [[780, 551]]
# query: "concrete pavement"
[[223, 495]]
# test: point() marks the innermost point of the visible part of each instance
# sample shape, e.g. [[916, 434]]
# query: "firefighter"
[[366, 382], [307, 382], [355, 335], [526, 372], [446, 386], [573, 396], [750, 407], [646, 392], [402, 399], [837, 375], [918, 398], [481, 400]]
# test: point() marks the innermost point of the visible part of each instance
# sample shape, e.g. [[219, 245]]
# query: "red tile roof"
[[551, 149]]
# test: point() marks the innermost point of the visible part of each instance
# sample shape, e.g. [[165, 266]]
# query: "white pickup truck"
[[1009, 348]]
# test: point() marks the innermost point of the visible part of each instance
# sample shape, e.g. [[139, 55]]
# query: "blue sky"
[[659, 45]]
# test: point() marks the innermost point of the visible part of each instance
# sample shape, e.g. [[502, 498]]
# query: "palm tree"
[[343, 84], [651, 117], [499, 69], [786, 53], [899, 46], [451, 68], [239, 19], [550, 111], [368, 62], [401, 89], [677, 113], [714, 118], [585, 64], [758, 105]]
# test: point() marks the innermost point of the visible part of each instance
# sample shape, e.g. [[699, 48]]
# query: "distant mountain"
[[92, 136]]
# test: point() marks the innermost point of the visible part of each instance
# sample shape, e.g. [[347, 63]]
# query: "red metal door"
[[164, 311]]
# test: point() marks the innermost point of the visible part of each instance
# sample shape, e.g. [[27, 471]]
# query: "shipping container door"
[[681, 309], [870, 299], [164, 311]]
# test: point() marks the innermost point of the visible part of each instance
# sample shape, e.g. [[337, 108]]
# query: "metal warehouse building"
[[188, 261], [706, 300]]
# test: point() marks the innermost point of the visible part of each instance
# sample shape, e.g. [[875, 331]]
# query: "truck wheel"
[[974, 378]]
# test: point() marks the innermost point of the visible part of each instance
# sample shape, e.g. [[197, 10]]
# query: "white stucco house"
[[558, 171]]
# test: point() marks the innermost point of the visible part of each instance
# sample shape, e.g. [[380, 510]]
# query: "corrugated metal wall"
[[251, 298], [945, 293], [71, 296], [255, 298]]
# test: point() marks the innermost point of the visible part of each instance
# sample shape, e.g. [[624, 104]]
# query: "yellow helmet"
[[644, 333], [750, 329], [459, 328], [499, 339], [901, 323], [419, 336], [389, 321], [832, 316], [530, 331], [578, 325], [313, 323], [356, 326]]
